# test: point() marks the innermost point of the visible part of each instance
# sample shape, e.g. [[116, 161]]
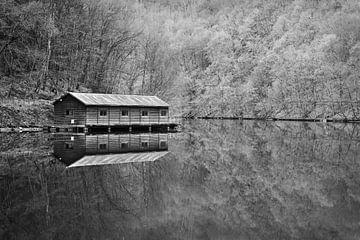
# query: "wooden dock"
[[166, 127]]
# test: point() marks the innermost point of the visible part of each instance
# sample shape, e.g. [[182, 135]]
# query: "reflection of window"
[[124, 145], [144, 144], [69, 112], [124, 113], [163, 144], [144, 113], [163, 113], [102, 146], [69, 146], [103, 112]]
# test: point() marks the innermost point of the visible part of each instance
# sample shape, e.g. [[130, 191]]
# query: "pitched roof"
[[118, 100], [118, 158]]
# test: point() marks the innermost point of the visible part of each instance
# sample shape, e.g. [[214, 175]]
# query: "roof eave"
[[74, 96], [109, 105], [65, 95]]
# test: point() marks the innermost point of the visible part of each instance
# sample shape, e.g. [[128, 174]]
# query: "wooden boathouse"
[[103, 147], [110, 111]]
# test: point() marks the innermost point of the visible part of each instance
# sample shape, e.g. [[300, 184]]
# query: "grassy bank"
[[25, 113]]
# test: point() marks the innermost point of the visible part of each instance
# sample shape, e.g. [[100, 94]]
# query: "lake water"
[[214, 180]]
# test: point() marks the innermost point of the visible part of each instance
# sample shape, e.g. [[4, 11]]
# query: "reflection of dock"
[[109, 148]]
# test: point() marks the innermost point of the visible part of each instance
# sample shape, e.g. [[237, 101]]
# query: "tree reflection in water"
[[221, 180]]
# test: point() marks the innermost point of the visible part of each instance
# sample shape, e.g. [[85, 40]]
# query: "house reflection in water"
[[87, 150]]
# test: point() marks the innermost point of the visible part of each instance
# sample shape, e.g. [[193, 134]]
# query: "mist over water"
[[215, 180]]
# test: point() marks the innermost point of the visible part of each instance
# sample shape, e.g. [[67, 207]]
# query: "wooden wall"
[[114, 116], [69, 103], [69, 148], [164, 119], [117, 143]]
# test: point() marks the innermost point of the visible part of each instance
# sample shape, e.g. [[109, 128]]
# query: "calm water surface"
[[215, 180]]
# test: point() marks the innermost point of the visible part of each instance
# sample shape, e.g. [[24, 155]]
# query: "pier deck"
[[143, 127]]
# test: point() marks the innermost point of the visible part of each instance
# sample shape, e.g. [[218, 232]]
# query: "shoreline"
[[45, 127], [324, 120], [20, 129]]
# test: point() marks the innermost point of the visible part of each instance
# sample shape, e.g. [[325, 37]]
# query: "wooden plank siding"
[[111, 143], [91, 116], [163, 141], [114, 116], [134, 142], [164, 119], [76, 108], [114, 143], [124, 119], [134, 114], [69, 148], [103, 120]]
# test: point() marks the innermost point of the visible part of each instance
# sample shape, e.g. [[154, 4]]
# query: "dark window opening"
[[102, 146], [69, 112], [124, 113], [69, 146], [144, 144], [103, 112], [144, 113], [163, 144], [163, 113], [124, 145]]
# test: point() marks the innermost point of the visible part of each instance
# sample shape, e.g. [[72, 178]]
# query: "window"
[[163, 144], [124, 113], [69, 146], [124, 145], [69, 112], [163, 113], [102, 146], [144, 144], [103, 112], [144, 113]]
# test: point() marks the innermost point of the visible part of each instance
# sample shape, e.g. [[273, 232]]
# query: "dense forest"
[[278, 58]]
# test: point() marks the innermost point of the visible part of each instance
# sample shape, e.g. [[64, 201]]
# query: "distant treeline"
[[251, 58]]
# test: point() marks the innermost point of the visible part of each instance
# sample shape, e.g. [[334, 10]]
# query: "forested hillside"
[[277, 58]]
